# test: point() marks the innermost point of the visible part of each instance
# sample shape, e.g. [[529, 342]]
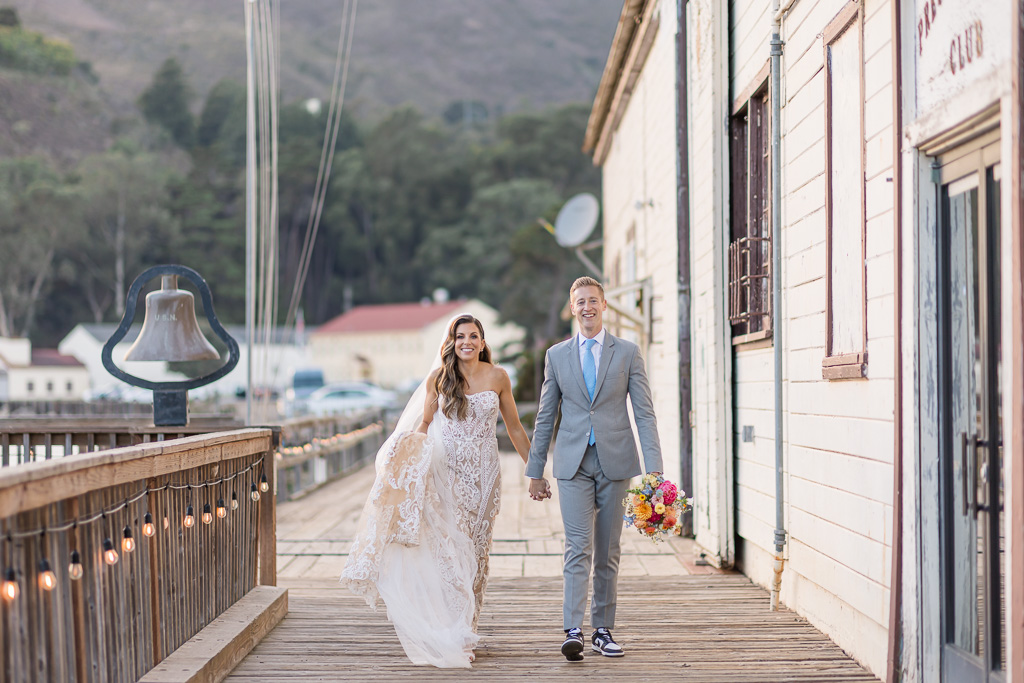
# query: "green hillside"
[[503, 53]]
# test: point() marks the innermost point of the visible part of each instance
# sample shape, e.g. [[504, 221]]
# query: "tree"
[[127, 225], [165, 103], [9, 17], [37, 214], [469, 258]]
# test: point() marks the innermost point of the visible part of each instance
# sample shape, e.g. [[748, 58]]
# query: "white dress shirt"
[[599, 338]]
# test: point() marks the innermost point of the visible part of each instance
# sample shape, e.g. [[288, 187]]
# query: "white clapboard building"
[[881, 156]]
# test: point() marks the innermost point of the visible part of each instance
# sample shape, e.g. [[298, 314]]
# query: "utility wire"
[[345, 40]]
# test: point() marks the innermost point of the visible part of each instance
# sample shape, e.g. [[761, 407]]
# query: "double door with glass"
[[973, 585]]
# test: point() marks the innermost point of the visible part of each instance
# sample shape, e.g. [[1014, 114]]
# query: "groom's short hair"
[[585, 281]]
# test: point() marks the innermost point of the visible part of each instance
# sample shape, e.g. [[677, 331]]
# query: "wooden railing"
[[32, 439], [315, 451], [117, 621]]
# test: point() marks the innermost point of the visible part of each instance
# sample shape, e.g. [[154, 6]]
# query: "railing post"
[[78, 603], [154, 578], [268, 517]]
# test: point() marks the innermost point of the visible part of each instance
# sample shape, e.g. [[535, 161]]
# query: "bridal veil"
[[409, 551]]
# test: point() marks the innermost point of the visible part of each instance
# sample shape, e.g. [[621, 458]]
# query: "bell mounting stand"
[[170, 399]]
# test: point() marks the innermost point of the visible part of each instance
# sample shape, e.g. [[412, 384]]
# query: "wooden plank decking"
[[678, 621]]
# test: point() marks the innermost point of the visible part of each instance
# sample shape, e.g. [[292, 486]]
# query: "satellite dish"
[[576, 220]]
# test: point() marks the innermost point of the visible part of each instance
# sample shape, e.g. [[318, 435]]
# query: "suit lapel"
[[573, 350], [606, 359]]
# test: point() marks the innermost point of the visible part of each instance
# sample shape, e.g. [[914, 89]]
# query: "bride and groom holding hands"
[[426, 530]]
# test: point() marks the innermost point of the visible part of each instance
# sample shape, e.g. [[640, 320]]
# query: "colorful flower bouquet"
[[655, 506]]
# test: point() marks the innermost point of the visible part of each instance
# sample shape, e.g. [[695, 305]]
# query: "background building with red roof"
[[28, 374], [394, 345]]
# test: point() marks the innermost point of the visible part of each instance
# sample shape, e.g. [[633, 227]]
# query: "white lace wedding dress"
[[426, 530]]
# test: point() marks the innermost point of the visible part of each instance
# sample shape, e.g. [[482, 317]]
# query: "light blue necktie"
[[590, 375]]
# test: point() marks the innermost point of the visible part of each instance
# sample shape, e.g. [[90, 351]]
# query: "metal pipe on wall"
[[775, 95], [683, 268], [893, 656]]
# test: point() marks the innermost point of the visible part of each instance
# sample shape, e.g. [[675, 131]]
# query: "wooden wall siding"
[[118, 621], [641, 167], [750, 28], [838, 435]]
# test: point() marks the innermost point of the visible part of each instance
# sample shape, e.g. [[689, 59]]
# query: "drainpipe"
[[683, 236], [894, 655], [775, 94]]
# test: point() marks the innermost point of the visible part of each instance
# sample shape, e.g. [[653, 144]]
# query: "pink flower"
[[668, 492]]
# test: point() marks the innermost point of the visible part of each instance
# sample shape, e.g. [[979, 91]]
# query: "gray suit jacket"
[[620, 374]]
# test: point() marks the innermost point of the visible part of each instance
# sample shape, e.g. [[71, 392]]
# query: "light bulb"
[[234, 500], [75, 569], [10, 587], [128, 542], [148, 528], [207, 515], [264, 484], [254, 492], [47, 579], [222, 511], [109, 554], [190, 518]]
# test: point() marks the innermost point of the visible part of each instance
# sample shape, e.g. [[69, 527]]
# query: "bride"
[[426, 529]]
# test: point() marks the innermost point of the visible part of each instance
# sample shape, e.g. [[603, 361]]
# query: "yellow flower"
[[639, 498], [660, 508], [642, 511]]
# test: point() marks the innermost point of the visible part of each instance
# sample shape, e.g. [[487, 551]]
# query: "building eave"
[[630, 47]]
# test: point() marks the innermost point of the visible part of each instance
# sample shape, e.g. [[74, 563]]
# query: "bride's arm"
[[429, 404], [510, 414]]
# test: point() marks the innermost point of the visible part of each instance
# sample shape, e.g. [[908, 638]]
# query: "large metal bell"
[[170, 331]]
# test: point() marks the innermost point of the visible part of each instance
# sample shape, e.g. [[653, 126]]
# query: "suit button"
[[591, 412]]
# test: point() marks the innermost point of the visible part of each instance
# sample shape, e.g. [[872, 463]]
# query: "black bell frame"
[[170, 399]]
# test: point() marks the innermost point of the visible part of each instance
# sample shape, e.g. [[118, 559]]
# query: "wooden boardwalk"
[[678, 621]]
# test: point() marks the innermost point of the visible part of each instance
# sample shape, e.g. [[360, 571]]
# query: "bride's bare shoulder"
[[498, 374]]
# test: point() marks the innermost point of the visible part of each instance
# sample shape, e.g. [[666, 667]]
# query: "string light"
[[47, 579], [148, 528], [128, 542], [109, 554], [10, 587], [75, 569]]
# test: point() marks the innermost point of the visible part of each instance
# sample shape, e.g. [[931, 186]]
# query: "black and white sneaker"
[[604, 643], [572, 648]]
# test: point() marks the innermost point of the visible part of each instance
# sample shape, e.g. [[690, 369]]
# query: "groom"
[[588, 378]]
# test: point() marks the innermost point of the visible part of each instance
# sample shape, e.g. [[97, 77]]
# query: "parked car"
[[304, 382], [346, 397]]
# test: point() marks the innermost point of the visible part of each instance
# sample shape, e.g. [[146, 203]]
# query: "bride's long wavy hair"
[[449, 382]]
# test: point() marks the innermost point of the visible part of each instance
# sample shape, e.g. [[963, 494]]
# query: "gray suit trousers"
[[591, 506]]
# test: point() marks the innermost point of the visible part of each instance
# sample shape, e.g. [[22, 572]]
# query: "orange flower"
[[642, 512]]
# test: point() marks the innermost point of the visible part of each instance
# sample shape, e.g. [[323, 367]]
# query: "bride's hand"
[[539, 489]]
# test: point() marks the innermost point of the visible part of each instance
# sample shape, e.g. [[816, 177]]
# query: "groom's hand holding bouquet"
[[655, 506]]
